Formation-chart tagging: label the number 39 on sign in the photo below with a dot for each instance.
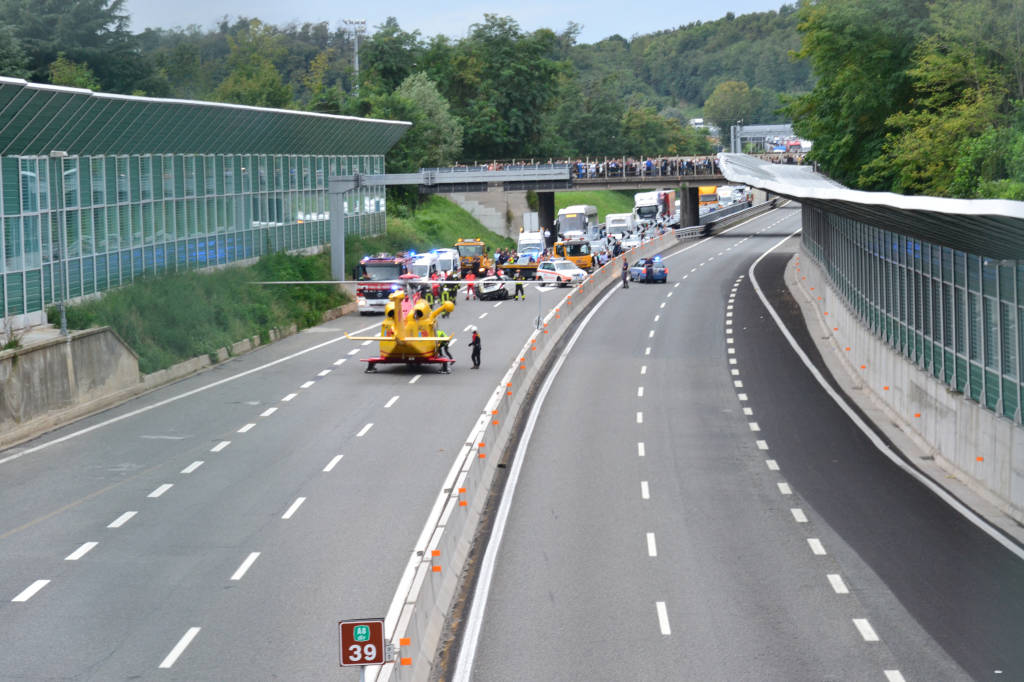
(362, 641)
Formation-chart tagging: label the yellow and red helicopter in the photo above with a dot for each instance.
(408, 333)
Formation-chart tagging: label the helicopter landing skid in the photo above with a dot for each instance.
(371, 363)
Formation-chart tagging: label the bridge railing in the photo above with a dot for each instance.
(615, 167)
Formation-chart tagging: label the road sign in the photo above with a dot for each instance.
(362, 641)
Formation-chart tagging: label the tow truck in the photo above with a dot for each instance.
(576, 250)
(377, 278)
(473, 257)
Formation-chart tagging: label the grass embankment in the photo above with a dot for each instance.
(607, 201)
(436, 223)
(174, 317)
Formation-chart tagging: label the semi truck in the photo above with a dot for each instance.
(653, 207)
(579, 221)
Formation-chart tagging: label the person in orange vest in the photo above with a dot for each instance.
(470, 278)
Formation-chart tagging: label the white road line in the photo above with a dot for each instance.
(640, 450)
(366, 343)
(497, 304)
(896, 676)
(269, 411)
(941, 492)
(192, 467)
(676, 285)
(650, 335)
(733, 361)
(339, 362)
(663, 618)
(728, 315)
(798, 515)
(761, 444)
(729, 340)
(220, 446)
(838, 586)
(684, 277)
(334, 461)
(748, 411)
(415, 379)
(394, 399)
(785, 489)
(240, 571)
(816, 546)
(122, 519)
(645, 491)
(734, 372)
(245, 429)
(482, 316)
(865, 629)
(693, 269)
(771, 464)
(362, 431)
(161, 490)
(662, 304)
(292, 509)
(31, 590)
(730, 351)
(668, 295)
(652, 545)
(639, 417)
(643, 370)
(468, 327)
(738, 384)
(728, 307)
(742, 397)
(353, 351)
(307, 384)
(754, 426)
(647, 351)
(701, 265)
(180, 647)
(80, 552)
(288, 397)
(657, 317)
(323, 372)
(639, 391)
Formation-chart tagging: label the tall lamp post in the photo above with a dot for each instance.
(59, 156)
(356, 28)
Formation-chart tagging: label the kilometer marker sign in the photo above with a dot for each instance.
(362, 641)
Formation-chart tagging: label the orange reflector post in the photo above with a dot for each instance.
(885, 388)
(917, 414)
(435, 552)
(980, 459)
(404, 641)
(406, 661)
(435, 569)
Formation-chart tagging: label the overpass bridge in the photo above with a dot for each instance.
(500, 185)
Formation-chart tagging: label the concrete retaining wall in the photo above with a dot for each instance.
(45, 384)
(493, 209)
(972, 443)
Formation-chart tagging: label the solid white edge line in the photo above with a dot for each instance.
(180, 647)
(663, 618)
(30, 591)
(180, 396)
(334, 461)
(292, 509)
(81, 551)
(122, 519)
(474, 621)
(244, 567)
(865, 629)
(941, 492)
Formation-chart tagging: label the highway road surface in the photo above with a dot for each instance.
(692, 506)
(218, 528)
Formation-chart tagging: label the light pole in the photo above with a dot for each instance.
(356, 28)
(59, 156)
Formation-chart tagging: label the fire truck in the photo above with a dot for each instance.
(377, 277)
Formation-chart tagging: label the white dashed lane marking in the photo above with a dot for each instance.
(639, 417)
(362, 431)
(816, 547)
(334, 461)
(645, 490)
(269, 411)
(161, 490)
(220, 446)
(81, 551)
(245, 429)
(292, 509)
(323, 373)
(192, 467)
(652, 545)
(663, 618)
(31, 590)
(838, 586)
(415, 379)
(339, 362)
(785, 489)
(798, 515)
(288, 397)
(391, 402)
(761, 444)
(640, 450)
(771, 464)
(353, 351)
(122, 519)
(180, 647)
(237, 575)
(639, 391)
(865, 629)
(366, 343)
(307, 384)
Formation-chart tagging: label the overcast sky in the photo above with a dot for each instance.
(600, 18)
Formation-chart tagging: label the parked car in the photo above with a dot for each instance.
(649, 270)
(493, 288)
(630, 242)
(561, 272)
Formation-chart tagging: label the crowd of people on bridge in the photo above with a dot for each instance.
(629, 167)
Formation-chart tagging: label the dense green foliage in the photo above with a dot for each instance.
(175, 317)
(498, 92)
(916, 96)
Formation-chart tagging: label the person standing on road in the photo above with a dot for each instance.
(625, 273)
(519, 286)
(470, 279)
(442, 346)
(474, 343)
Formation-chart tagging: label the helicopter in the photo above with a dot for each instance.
(408, 333)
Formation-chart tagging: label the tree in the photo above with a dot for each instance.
(13, 60)
(66, 72)
(645, 133)
(729, 104)
(254, 80)
(860, 51)
(390, 56)
(436, 135)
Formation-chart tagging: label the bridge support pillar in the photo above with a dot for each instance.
(689, 207)
(546, 213)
